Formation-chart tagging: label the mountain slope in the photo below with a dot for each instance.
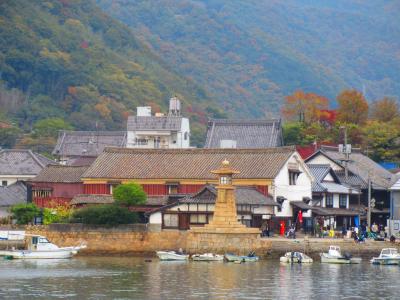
(251, 53)
(68, 59)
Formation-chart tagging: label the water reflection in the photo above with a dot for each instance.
(134, 278)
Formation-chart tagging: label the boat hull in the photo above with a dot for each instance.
(288, 259)
(167, 255)
(238, 258)
(385, 261)
(207, 257)
(339, 260)
(41, 254)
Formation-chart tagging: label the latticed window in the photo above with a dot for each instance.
(198, 218)
(342, 200)
(225, 180)
(329, 200)
(170, 220)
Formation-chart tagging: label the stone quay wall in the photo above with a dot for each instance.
(124, 240)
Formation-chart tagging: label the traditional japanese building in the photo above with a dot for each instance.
(360, 170)
(278, 173)
(242, 134)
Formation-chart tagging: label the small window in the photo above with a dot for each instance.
(141, 141)
(170, 220)
(4, 183)
(172, 189)
(185, 136)
(198, 219)
(225, 180)
(343, 201)
(329, 200)
(293, 177)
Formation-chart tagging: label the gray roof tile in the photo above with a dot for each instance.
(246, 133)
(154, 123)
(87, 143)
(13, 194)
(66, 174)
(123, 163)
(22, 162)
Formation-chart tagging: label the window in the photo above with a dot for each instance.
(293, 177)
(198, 219)
(185, 136)
(225, 180)
(329, 200)
(4, 183)
(172, 189)
(170, 220)
(141, 141)
(343, 201)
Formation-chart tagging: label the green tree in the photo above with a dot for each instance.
(49, 127)
(8, 137)
(292, 133)
(108, 214)
(24, 212)
(129, 194)
(380, 137)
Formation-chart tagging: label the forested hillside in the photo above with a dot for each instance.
(66, 64)
(250, 54)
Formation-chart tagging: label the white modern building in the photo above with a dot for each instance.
(158, 131)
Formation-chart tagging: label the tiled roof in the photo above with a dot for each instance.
(361, 164)
(13, 194)
(324, 211)
(396, 186)
(154, 123)
(244, 195)
(87, 143)
(22, 162)
(352, 179)
(92, 199)
(66, 174)
(247, 133)
(123, 163)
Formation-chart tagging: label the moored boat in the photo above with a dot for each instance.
(388, 256)
(171, 255)
(241, 258)
(295, 257)
(207, 257)
(334, 256)
(39, 247)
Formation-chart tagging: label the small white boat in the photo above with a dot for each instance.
(40, 248)
(207, 257)
(295, 257)
(171, 255)
(241, 258)
(334, 256)
(388, 256)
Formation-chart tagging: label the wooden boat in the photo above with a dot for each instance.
(207, 257)
(40, 248)
(237, 258)
(388, 256)
(334, 256)
(295, 257)
(171, 255)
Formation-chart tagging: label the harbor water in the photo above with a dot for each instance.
(139, 278)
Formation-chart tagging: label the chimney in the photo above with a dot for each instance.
(143, 111)
(174, 107)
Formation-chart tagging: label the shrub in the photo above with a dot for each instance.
(129, 194)
(24, 212)
(57, 213)
(108, 214)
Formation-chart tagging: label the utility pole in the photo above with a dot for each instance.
(369, 201)
(346, 150)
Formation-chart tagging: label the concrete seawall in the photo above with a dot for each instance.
(125, 241)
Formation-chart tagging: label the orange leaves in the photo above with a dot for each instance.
(304, 107)
(353, 107)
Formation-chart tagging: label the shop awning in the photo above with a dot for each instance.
(324, 211)
(301, 205)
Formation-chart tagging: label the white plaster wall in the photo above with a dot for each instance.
(264, 210)
(322, 160)
(155, 218)
(11, 179)
(396, 205)
(292, 192)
